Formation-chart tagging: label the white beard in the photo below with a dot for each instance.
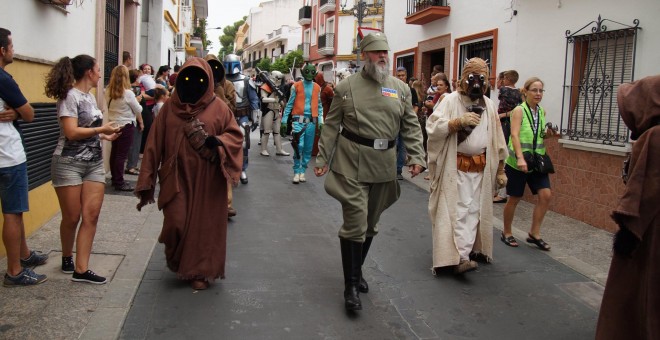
(375, 72)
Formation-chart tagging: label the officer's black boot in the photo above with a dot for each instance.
(351, 259)
(364, 287)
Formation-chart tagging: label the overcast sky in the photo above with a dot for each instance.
(223, 13)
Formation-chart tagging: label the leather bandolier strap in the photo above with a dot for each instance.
(471, 163)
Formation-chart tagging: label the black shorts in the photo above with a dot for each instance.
(517, 179)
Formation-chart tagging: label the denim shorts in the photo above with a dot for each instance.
(66, 171)
(14, 189)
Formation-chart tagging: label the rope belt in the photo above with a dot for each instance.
(378, 144)
(470, 163)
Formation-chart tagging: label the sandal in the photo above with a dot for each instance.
(132, 171)
(509, 241)
(498, 199)
(538, 242)
(199, 284)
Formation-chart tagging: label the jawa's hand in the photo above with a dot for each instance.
(197, 136)
(194, 130)
(144, 201)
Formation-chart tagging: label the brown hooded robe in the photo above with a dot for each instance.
(193, 196)
(631, 302)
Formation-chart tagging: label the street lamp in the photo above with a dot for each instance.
(361, 10)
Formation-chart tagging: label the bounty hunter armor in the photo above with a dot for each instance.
(247, 104)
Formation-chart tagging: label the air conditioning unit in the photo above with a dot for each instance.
(179, 41)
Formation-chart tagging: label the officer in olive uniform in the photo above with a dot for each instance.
(366, 115)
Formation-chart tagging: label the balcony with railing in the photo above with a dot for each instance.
(421, 12)
(326, 44)
(305, 15)
(277, 35)
(327, 6)
(304, 48)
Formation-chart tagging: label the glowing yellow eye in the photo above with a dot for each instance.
(201, 80)
(187, 78)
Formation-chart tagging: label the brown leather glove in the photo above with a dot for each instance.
(197, 137)
(501, 176)
(194, 130)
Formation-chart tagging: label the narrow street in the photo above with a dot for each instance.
(284, 278)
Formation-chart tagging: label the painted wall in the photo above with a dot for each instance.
(533, 41)
(47, 33)
(34, 33)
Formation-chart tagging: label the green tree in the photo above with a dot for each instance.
(200, 31)
(292, 56)
(228, 37)
(264, 64)
(280, 65)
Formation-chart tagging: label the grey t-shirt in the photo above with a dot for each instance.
(82, 106)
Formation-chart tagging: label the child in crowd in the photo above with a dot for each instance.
(509, 97)
(160, 96)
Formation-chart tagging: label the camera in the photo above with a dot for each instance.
(136, 90)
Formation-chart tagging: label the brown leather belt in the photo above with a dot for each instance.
(470, 163)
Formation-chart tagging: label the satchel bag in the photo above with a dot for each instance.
(537, 162)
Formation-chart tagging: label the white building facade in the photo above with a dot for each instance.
(581, 50)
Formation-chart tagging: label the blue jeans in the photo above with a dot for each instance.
(400, 155)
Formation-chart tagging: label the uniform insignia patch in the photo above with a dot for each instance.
(392, 93)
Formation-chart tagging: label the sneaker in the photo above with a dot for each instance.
(282, 153)
(27, 277)
(302, 178)
(124, 187)
(296, 178)
(67, 265)
(399, 177)
(88, 277)
(36, 258)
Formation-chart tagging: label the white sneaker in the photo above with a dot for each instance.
(296, 178)
(264, 153)
(283, 153)
(302, 178)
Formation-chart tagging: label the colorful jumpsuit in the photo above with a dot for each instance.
(304, 107)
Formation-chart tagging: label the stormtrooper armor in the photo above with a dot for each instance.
(271, 114)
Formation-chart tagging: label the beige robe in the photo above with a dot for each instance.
(442, 168)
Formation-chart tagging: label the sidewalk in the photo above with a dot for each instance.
(125, 241)
(61, 309)
(583, 248)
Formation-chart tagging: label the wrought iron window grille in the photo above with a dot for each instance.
(597, 61)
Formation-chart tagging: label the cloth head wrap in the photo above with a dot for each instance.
(474, 66)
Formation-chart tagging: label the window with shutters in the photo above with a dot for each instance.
(596, 64)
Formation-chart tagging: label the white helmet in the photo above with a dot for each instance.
(276, 77)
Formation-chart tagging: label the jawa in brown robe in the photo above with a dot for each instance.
(631, 303)
(225, 90)
(195, 147)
